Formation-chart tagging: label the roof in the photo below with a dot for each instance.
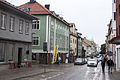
(85, 43)
(36, 8)
(4, 2)
(71, 24)
(115, 40)
(73, 34)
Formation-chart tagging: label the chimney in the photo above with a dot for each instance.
(47, 6)
(32, 1)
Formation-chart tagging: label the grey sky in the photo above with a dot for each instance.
(90, 16)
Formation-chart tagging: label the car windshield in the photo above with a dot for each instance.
(78, 59)
(91, 60)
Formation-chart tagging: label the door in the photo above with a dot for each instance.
(19, 57)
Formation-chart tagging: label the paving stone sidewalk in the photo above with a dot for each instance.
(36, 69)
(115, 75)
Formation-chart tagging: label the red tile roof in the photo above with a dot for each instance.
(85, 43)
(73, 34)
(36, 8)
(71, 24)
(14, 7)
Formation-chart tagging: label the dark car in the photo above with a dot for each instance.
(78, 61)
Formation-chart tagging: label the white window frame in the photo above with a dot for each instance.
(12, 23)
(51, 42)
(52, 24)
(3, 20)
(26, 28)
(38, 41)
(36, 25)
(21, 26)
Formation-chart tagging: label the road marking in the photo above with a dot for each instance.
(53, 76)
(43, 79)
(96, 75)
(86, 75)
(43, 75)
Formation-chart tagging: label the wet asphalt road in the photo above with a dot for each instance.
(77, 72)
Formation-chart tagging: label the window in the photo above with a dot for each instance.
(71, 40)
(119, 9)
(35, 41)
(36, 24)
(3, 21)
(75, 42)
(119, 29)
(12, 23)
(114, 1)
(51, 43)
(2, 55)
(114, 15)
(20, 26)
(52, 25)
(10, 50)
(27, 28)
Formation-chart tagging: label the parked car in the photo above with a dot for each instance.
(100, 59)
(92, 62)
(78, 61)
(86, 60)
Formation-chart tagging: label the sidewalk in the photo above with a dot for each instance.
(36, 69)
(115, 75)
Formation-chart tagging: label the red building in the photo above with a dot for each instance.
(116, 40)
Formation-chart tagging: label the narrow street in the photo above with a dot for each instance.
(77, 72)
(59, 72)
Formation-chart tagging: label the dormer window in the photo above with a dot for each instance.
(26, 9)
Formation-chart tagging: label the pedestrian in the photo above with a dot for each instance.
(105, 58)
(103, 65)
(59, 58)
(110, 65)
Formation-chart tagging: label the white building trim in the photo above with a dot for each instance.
(49, 34)
(55, 33)
(46, 28)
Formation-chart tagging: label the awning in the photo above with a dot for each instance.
(115, 40)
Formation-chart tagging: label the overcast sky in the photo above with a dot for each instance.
(90, 16)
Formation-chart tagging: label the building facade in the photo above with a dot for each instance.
(50, 28)
(79, 45)
(115, 40)
(73, 39)
(90, 47)
(15, 34)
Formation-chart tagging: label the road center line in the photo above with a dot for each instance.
(53, 76)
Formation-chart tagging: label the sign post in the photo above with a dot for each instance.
(45, 49)
(55, 54)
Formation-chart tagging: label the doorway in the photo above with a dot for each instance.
(19, 57)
